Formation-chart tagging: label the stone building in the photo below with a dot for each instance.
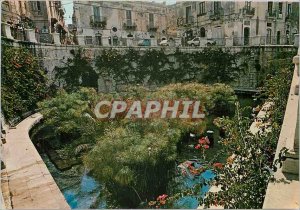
(110, 23)
(34, 19)
(238, 23)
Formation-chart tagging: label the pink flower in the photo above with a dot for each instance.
(202, 141)
(206, 146)
(198, 146)
(162, 199)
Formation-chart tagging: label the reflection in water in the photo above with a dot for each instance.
(80, 190)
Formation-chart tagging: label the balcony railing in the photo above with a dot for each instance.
(216, 14)
(98, 21)
(270, 14)
(185, 22)
(152, 27)
(248, 11)
(129, 25)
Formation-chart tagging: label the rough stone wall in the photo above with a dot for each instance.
(52, 56)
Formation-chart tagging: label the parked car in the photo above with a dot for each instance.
(194, 42)
(164, 42)
(144, 42)
(210, 42)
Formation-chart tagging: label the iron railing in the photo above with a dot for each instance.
(98, 21)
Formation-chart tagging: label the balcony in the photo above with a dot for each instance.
(270, 14)
(248, 11)
(98, 21)
(129, 25)
(216, 14)
(152, 27)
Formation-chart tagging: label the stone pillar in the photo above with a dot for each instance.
(56, 38)
(30, 35)
(6, 30)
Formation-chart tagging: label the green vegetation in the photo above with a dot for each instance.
(135, 159)
(244, 176)
(23, 82)
(77, 72)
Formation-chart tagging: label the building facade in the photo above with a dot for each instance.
(110, 23)
(44, 17)
(238, 23)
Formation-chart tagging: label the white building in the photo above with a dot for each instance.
(110, 23)
(238, 23)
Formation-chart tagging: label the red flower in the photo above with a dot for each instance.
(162, 197)
(218, 165)
(202, 141)
(198, 146)
(206, 146)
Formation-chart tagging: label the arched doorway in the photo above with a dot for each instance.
(202, 32)
(278, 37)
(246, 35)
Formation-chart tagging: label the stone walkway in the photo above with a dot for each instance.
(26, 182)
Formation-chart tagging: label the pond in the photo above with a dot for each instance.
(80, 190)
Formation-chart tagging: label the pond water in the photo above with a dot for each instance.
(80, 190)
(188, 181)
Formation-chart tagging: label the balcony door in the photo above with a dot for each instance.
(188, 14)
(97, 15)
(246, 35)
(128, 18)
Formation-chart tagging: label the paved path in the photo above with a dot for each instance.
(26, 182)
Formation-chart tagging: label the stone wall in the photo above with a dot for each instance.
(55, 56)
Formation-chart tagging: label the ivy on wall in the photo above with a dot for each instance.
(77, 72)
(156, 67)
(150, 67)
(23, 82)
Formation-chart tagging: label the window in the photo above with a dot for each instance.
(270, 7)
(202, 32)
(201, 8)
(269, 24)
(248, 5)
(88, 39)
(280, 8)
(151, 20)
(217, 6)
(188, 14)
(36, 5)
(97, 16)
(289, 9)
(128, 17)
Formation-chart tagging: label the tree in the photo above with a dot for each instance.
(23, 82)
